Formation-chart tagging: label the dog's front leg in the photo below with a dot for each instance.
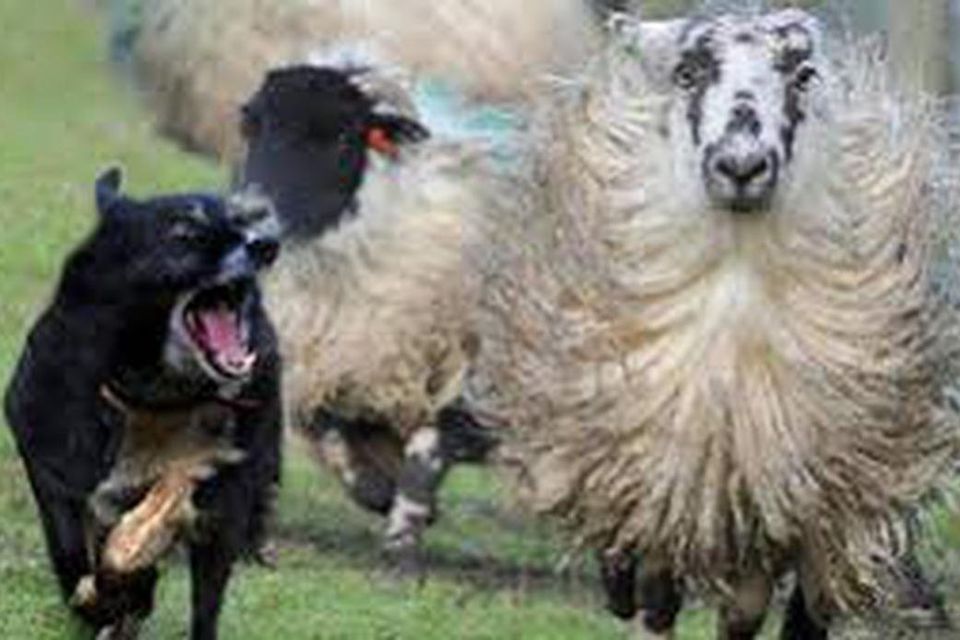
(65, 527)
(64, 522)
(211, 562)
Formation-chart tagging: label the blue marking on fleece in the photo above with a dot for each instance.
(125, 22)
(447, 113)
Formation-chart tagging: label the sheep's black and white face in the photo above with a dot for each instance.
(308, 131)
(740, 90)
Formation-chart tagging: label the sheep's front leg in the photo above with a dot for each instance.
(798, 623)
(618, 573)
(462, 438)
(660, 599)
(414, 506)
(741, 617)
(367, 458)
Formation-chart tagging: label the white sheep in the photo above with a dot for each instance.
(708, 316)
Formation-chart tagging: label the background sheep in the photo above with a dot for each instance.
(199, 59)
(369, 297)
(708, 314)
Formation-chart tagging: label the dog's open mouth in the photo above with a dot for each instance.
(215, 321)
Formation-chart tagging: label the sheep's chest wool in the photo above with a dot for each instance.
(728, 389)
(384, 336)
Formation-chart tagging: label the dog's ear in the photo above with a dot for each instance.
(387, 131)
(107, 189)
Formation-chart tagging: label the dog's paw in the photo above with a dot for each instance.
(85, 593)
(267, 555)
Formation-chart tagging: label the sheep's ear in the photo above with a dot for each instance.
(793, 18)
(655, 43)
(799, 30)
(612, 8)
(387, 131)
(107, 189)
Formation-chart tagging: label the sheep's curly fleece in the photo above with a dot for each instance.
(372, 315)
(730, 394)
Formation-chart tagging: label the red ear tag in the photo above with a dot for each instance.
(379, 141)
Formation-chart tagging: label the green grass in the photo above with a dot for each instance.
(493, 572)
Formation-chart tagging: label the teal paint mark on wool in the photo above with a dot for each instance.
(449, 114)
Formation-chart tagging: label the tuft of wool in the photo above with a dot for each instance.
(199, 60)
(492, 49)
(731, 394)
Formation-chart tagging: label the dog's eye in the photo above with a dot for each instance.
(183, 230)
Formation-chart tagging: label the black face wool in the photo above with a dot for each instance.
(308, 130)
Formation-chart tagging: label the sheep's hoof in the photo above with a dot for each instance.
(405, 564)
(127, 628)
(640, 631)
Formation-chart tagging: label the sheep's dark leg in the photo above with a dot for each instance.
(414, 507)
(660, 600)
(367, 458)
(618, 573)
(462, 438)
(920, 597)
(741, 618)
(798, 624)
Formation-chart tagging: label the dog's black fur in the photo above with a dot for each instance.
(110, 323)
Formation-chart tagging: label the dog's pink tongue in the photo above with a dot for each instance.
(221, 331)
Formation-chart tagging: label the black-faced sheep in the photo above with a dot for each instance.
(199, 59)
(369, 299)
(708, 316)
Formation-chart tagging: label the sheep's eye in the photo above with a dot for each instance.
(804, 77)
(687, 75)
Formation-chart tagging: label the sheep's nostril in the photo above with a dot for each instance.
(742, 171)
(758, 169)
(727, 167)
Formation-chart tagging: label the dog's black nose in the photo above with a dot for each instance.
(263, 251)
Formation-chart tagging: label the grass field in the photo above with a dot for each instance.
(493, 573)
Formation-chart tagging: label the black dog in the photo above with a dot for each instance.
(156, 314)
